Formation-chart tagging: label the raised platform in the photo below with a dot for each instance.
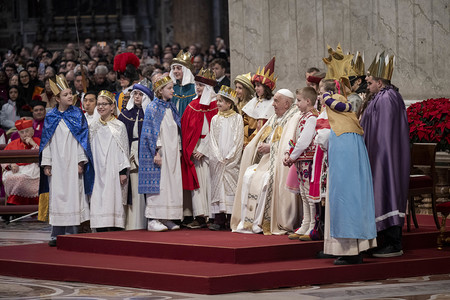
(206, 262)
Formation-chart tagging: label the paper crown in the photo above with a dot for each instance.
(266, 75)
(206, 76)
(58, 85)
(246, 81)
(339, 65)
(382, 66)
(314, 79)
(185, 59)
(23, 124)
(162, 82)
(229, 93)
(106, 94)
(122, 60)
(358, 64)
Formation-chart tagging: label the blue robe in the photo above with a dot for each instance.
(78, 126)
(182, 96)
(386, 134)
(149, 172)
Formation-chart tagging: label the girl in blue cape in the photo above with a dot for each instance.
(160, 160)
(66, 158)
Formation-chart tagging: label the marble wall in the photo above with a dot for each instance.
(297, 32)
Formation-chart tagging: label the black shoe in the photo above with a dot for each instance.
(349, 260)
(387, 251)
(216, 227)
(322, 255)
(52, 243)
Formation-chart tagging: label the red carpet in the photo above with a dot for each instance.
(206, 262)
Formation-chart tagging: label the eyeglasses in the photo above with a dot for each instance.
(103, 104)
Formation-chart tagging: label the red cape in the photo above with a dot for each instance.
(17, 144)
(191, 130)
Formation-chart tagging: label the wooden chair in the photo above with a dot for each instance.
(423, 155)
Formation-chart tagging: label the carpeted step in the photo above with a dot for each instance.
(43, 262)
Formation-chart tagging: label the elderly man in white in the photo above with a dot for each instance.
(262, 203)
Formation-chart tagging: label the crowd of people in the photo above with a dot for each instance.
(173, 142)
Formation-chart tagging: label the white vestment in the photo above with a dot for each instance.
(109, 145)
(262, 202)
(168, 204)
(226, 140)
(135, 213)
(68, 205)
(201, 196)
(257, 109)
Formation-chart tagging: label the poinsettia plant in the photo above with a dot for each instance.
(429, 122)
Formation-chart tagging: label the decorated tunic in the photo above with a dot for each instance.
(257, 112)
(227, 138)
(182, 96)
(110, 150)
(262, 203)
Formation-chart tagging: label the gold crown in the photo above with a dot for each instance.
(58, 85)
(339, 65)
(228, 93)
(246, 81)
(358, 64)
(206, 76)
(184, 58)
(162, 82)
(382, 66)
(106, 94)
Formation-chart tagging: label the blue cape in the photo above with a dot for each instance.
(149, 172)
(78, 126)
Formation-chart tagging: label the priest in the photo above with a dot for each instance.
(262, 204)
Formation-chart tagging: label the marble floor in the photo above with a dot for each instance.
(28, 231)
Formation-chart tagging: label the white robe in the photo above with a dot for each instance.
(135, 213)
(68, 204)
(109, 145)
(168, 204)
(226, 139)
(259, 179)
(201, 197)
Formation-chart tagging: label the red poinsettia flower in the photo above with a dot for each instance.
(429, 121)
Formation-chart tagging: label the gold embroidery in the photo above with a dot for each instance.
(181, 97)
(227, 113)
(104, 122)
(202, 110)
(265, 134)
(277, 134)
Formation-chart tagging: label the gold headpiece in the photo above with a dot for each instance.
(184, 58)
(106, 94)
(58, 85)
(246, 81)
(266, 75)
(358, 64)
(228, 93)
(339, 65)
(206, 76)
(382, 66)
(162, 82)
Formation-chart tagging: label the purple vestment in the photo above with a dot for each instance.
(386, 134)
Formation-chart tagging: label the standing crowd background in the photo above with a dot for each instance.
(163, 139)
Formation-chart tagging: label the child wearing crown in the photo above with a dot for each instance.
(66, 158)
(260, 109)
(159, 163)
(195, 125)
(184, 87)
(109, 142)
(226, 140)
